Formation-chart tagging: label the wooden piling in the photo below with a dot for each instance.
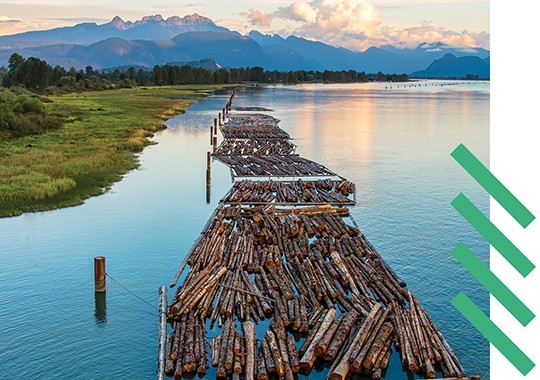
(100, 282)
(215, 127)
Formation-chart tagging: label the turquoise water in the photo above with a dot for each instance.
(394, 143)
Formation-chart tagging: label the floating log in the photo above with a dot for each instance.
(340, 336)
(308, 359)
(249, 335)
(341, 370)
(162, 333)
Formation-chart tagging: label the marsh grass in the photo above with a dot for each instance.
(97, 144)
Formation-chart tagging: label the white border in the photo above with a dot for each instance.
(514, 160)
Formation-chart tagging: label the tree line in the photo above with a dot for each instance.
(38, 76)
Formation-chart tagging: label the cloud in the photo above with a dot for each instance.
(299, 12)
(75, 19)
(13, 25)
(355, 24)
(258, 17)
(428, 32)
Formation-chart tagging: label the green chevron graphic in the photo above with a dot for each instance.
(492, 283)
(492, 333)
(492, 185)
(480, 271)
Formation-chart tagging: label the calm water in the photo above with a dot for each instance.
(394, 143)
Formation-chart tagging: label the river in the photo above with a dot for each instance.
(393, 141)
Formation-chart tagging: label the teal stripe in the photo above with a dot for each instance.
(492, 333)
(492, 283)
(492, 185)
(493, 235)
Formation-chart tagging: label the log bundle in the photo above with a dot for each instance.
(243, 147)
(318, 192)
(302, 272)
(253, 109)
(274, 166)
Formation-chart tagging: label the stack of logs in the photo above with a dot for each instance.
(242, 147)
(253, 109)
(275, 165)
(260, 132)
(294, 192)
(186, 347)
(305, 270)
(299, 268)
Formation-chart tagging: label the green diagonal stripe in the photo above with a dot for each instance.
(492, 333)
(492, 283)
(493, 235)
(492, 185)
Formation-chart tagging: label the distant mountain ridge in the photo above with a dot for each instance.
(155, 40)
(451, 66)
(148, 28)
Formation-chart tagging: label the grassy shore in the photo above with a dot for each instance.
(96, 145)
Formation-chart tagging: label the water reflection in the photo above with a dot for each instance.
(100, 311)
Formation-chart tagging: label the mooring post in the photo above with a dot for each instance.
(211, 134)
(208, 160)
(208, 189)
(100, 282)
(162, 333)
(219, 118)
(215, 143)
(215, 127)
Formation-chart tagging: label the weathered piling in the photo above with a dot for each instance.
(100, 272)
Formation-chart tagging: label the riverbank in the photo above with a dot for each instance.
(97, 144)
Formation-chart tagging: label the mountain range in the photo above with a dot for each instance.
(155, 40)
(452, 66)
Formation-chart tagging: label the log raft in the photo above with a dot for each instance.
(306, 270)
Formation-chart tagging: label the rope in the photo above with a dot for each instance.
(129, 291)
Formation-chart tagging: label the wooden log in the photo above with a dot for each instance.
(293, 355)
(169, 363)
(162, 333)
(237, 365)
(370, 337)
(249, 335)
(275, 352)
(378, 345)
(384, 357)
(271, 367)
(327, 338)
(203, 360)
(215, 349)
(229, 348)
(341, 370)
(309, 357)
(262, 372)
(340, 336)
(188, 360)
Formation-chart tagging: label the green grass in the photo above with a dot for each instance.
(96, 145)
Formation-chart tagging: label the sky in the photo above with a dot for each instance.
(354, 24)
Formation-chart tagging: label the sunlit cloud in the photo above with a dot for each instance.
(258, 18)
(356, 24)
(10, 25)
